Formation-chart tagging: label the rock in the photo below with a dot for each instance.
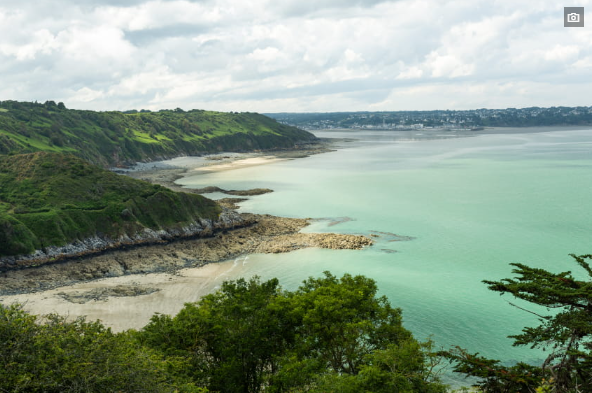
(210, 189)
(254, 191)
(244, 234)
(228, 219)
(101, 294)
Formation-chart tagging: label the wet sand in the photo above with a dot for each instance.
(236, 164)
(131, 312)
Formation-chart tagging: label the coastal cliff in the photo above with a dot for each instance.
(110, 139)
(55, 206)
(98, 244)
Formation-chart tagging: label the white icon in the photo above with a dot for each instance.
(573, 18)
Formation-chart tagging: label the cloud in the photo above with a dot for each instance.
(300, 8)
(264, 55)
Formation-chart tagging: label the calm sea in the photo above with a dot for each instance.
(464, 205)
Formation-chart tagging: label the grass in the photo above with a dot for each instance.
(143, 137)
(53, 199)
(48, 197)
(38, 144)
(115, 138)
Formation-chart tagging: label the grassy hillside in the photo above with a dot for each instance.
(115, 138)
(53, 199)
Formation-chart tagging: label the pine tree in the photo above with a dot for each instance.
(566, 333)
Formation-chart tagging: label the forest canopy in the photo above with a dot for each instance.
(331, 334)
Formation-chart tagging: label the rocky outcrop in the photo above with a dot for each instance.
(228, 219)
(251, 192)
(335, 241)
(266, 234)
(231, 203)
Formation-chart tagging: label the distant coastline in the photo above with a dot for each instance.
(440, 119)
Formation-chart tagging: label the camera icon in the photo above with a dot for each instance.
(573, 18)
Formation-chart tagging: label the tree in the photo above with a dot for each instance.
(233, 336)
(253, 336)
(343, 321)
(78, 356)
(351, 340)
(406, 367)
(566, 333)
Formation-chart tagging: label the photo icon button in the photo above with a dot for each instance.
(573, 17)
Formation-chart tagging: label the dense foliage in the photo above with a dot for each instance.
(59, 356)
(114, 138)
(566, 334)
(253, 336)
(53, 199)
(330, 335)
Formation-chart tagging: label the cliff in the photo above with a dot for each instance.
(53, 206)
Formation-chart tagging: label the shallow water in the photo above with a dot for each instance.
(473, 202)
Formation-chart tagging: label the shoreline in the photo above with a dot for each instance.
(125, 287)
(267, 234)
(158, 172)
(62, 271)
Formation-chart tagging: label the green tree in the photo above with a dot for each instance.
(343, 321)
(233, 337)
(78, 356)
(252, 336)
(566, 334)
(353, 340)
(406, 367)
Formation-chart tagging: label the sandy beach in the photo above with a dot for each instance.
(166, 172)
(128, 312)
(236, 164)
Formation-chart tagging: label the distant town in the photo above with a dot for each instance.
(446, 119)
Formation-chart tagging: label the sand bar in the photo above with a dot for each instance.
(237, 164)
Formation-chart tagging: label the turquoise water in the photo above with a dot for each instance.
(473, 204)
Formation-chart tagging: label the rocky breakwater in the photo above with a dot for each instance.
(258, 234)
(228, 219)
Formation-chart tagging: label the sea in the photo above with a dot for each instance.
(450, 209)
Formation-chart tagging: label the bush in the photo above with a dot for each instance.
(78, 356)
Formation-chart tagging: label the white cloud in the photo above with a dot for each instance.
(447, 66)
(101, 43)
(41, 41)
(158, 14)
(85, 94)
(562, 53)
(264, 55)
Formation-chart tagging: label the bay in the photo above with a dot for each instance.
(470, 203)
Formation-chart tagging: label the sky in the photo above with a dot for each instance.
(294, 55)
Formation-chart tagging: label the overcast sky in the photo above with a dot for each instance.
(294, 55)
